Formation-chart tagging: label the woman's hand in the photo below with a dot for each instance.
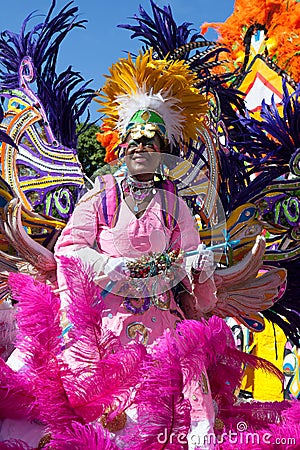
(116, 269)
(203, 264)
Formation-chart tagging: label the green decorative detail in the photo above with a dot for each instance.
(146, 123)
(144, 116)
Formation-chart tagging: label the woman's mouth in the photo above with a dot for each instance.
(140, 158)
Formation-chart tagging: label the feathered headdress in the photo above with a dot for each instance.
(150, 95)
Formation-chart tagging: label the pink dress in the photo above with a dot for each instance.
(88, 237)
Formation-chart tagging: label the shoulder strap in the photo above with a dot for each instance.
(169, 203)
(110, 199)
(112, 196)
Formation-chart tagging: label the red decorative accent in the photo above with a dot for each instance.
(109, 139)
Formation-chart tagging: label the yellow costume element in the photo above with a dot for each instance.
(262, 82)
(264, 386)
(281, 20)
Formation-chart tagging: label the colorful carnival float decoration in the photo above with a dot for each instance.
(263, 48)
(41, 175)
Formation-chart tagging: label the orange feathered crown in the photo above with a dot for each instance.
(149, 95)
(281, 19)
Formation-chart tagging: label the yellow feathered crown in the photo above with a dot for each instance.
(151, 95)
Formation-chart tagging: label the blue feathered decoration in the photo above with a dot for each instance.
(260, 148)
(56, 92)
(161, 33)
(173, 41)
(286, 312)
(273, 140)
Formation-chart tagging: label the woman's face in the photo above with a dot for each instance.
(142, 156)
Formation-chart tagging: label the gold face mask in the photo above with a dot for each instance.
(146, 123)
(148, 130)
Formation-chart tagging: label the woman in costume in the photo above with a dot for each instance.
(136, 239)
(133, 231)
(131, 268)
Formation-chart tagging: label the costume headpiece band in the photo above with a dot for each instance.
(146, 123)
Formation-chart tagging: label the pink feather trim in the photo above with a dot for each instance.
(40, 340)
(109, 386)
(82, 437)
(162, 409)
(104, 371)
(90, 343)
(14, 444)
(16, 394)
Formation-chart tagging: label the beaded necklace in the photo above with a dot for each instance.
(138, 190)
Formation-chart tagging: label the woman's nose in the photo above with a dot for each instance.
(140, 146)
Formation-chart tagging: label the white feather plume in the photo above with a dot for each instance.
(161, 103)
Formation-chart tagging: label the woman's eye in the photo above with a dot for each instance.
(149, 145)
(146, 145)
(132, 145)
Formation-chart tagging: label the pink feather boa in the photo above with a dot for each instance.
(69, 399)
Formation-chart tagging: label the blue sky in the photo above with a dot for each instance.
(93, 50)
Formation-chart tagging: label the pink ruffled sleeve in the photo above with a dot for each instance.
(205, 295)
(200, 297)
(201, 301)
(79, 237)
(185, 234)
